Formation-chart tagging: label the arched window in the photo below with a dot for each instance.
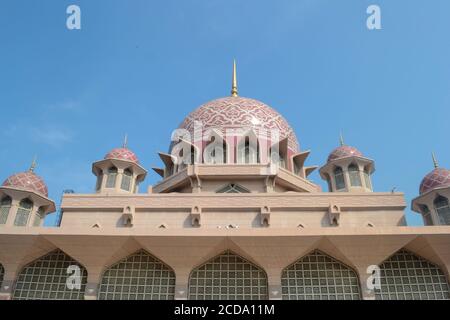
(5, 207)
(317, 276)
(111, 179)
(443, 209)
(215, 153)
(426, 214)
(140, 276)
(248, 153)
(355, 178)
(367, 181)
(279, 159)
(39, 217)
(23, 213)
(47, 278)
(405, 276)
(339, 178)
(2, 273)
(228, 277)
(127, 178)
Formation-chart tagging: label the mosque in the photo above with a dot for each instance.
(234, 216)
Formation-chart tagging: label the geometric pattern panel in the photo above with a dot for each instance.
(122, 154)
(317, 276)
(49, 278)
(437, 178)
(140, 276)
(405, 276)
(238, 112)
(344, 152)
(228, 277)
(27, 181)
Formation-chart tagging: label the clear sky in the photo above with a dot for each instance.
(139, 67)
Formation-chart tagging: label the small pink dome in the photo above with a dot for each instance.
(437, 178)
(122, 154)
(28, 181)
(344, 152)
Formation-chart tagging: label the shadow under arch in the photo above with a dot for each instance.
(319, 276)
(2, 274)
(407, 276)
(53, 276)
(138, 276)
(228, 276)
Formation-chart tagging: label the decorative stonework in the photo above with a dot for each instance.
(437, 178)
(239, 112)
(344, 152)
(27, 181)
(122, 154)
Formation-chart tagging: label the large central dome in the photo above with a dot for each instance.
(239, 112)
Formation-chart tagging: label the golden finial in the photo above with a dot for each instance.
(125, 141)
(234, 89)
(341, 139)
(435, 163)
(33, 164)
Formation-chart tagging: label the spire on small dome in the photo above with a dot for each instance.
(435, 162)
(125, 141)
(234, 89)
(33, 164)
(341, 139)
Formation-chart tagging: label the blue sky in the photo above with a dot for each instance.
(139, 67)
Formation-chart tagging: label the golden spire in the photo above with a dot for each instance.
(125, 141)
(341, 139)
(435, 163)
(33, 164)
(234, 89)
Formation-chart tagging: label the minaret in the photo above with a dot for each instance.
(347, 169)
(434, 194)
(119, 171)
(234, 89)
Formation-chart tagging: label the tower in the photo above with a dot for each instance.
(348, 170)
(24, 200)
(119, 171)
(434, 194)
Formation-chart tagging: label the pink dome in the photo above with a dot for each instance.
(28, 181)
(437, 178)
(344, 152)
(239, 112)
(122, 154)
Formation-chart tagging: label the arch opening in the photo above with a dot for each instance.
(228, 277)
(54, 276)
(406, 276)
(318, 276)
(140, 276)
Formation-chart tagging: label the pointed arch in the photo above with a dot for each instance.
(228, 276)
(339, 178)
(407, 276)
(5, 208)
(140, 276)
(317, 276)
(2, 274)
(47, 278)
(354, 176)
(111, 177)
(442, 208)
(248, 149)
